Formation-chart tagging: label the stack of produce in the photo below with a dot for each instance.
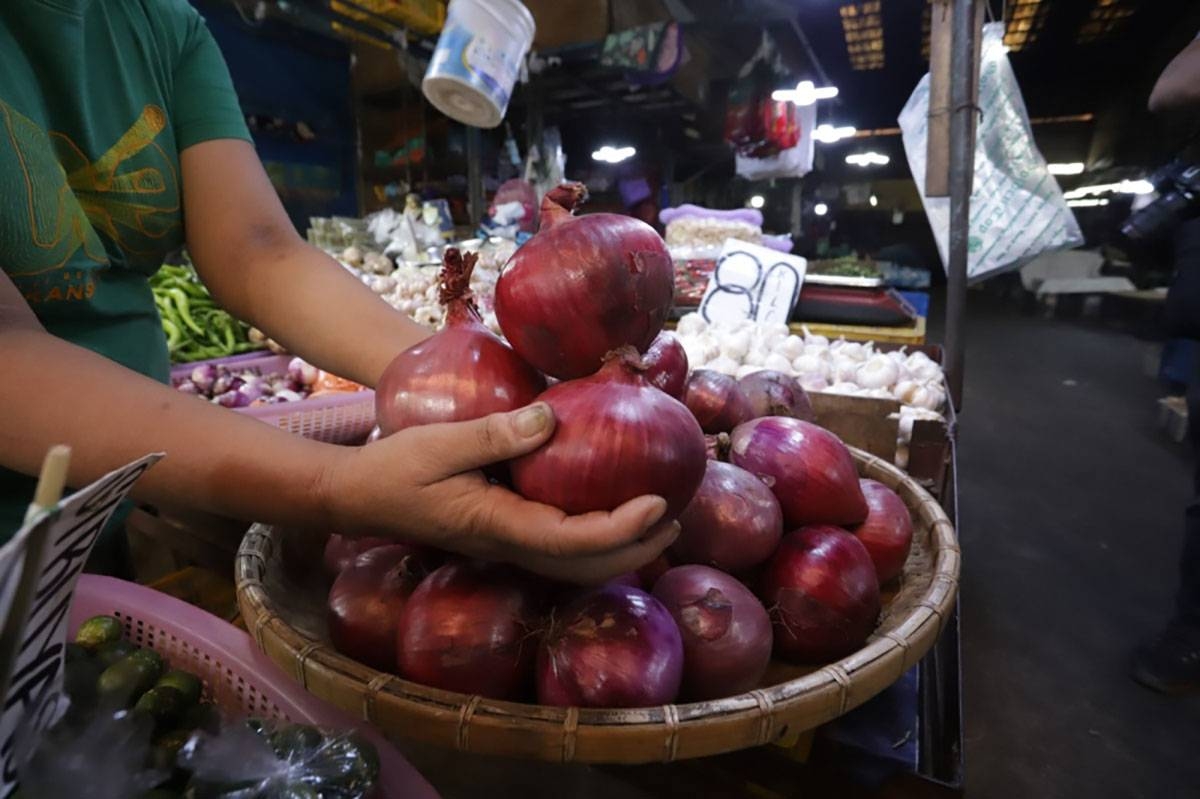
(249, 387)
(197, 329)
(135, 727)
(782, 549)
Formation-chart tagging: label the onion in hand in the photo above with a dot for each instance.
(887, 532)
(462, 372)
(808, 468)
(583, 286)
(725, 629)
(616, 438)
(822, 594)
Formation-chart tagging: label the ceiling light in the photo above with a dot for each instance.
(613, 155)
(805, 93)
(1124, 187)
(828, 134)
(874, 201)
(757, 201)
(1088, 202)
(867, 159)
(820, 209)
(1072, 168)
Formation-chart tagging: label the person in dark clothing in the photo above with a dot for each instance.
(1170, 663)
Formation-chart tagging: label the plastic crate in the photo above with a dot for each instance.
(237, 677)
(342, 418)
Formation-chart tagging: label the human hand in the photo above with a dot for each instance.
(423, 484)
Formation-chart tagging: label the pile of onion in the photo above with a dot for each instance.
(341, 551)
(583, 286)
(772, 393)
(616, 438)
(717, 402)
(472, 627)
(462, 372)
(732, 523)
(887, 531)
(616, 646)
(366, 601)
(667, 365)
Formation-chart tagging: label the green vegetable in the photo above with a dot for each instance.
(110, 652)
(79, 680)
(162, 703)
(196, 328)
(73, 652)
(127, 679)
(187, 684)
(296, 741)
(201, 716)
(98, 630)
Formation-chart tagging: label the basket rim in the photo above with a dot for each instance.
(302, 655)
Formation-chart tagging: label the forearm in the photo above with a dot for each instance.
(54, 393)
(304, 300)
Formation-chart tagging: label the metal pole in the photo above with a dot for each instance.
(963, 91)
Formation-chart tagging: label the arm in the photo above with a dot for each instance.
(419, 484)
(249, 255)
(1178, 87)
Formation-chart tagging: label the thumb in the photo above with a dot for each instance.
(458, 447)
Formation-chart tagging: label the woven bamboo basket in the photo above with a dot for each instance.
(286, 616)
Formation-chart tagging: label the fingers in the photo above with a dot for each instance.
(546, 530)
(450, 449)
(596, 569)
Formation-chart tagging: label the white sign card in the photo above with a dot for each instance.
(69, 532)
(753, 282)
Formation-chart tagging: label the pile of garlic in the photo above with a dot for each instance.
(837, 367)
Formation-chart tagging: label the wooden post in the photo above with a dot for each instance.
(937, 150)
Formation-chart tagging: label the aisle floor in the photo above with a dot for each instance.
(1072, 506)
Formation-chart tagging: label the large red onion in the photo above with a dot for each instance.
(887, 533)
(716, 401)
(822, 594)
(341, 551)
(464, 371)
(667, 365)
(471, 627)
(773, 393)
(733, 522)
(616, 646)
(808, 468)
(648, 575)
(617, 437)
(366, 601)
(725, 629)
(583, 286)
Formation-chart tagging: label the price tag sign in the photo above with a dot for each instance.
(753, 282)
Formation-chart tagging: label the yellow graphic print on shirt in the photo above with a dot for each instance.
(129, 196)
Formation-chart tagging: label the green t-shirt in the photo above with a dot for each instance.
(97, 100)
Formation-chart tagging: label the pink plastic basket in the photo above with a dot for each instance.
(237, 677)
(343, 418)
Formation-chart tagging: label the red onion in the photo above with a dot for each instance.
(630, 579)
(716, 447)
(822, 594)
(667, 365)
(725, 629)
(774, 393)
(583, 286)
(617, 437)
(809, 469)
(470, 627)
(887, 533)
(716, 401)
(461, 372)
(366, 601)
(733, 522)
(340, 551)
(648, 575)
(613, 647)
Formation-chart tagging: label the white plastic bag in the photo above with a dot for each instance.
(1017, 208)
(794, 162)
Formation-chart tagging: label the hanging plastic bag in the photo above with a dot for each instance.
(793, 162)
(1017, 208)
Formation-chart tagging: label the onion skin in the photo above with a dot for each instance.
(725, 630)
(462, 372)
(887, 532)
(617, 438)
(616, 646)
(809, 469)
(716, 447)
(341, 551)
(716, 401)
(366, 601)
(822, 594)
(649, 574)
(470, 627)
(583, 286)
(733, 522)
(774, 393)
(667, 365)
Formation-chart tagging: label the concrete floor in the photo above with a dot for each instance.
(1071, 514)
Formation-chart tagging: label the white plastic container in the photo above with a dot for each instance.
(477, 59)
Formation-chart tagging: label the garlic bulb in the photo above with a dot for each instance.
(929, 397)
(811, 366)
(691, 324)
(724, 365)
(791, 347)
(778, 363)
(850, 349)
(695, 353)
(814, 338)
(757, 356)
(843, 387)
(736, 346)
(813, 382)
(878, 371)
(748, 369)
(902, 457)
(922, 367)
(773, 332)
(903, 390)
(845, 370)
